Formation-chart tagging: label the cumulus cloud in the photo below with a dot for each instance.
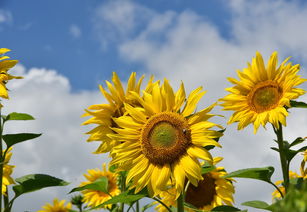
(62, 150)
(75, 31)
(118, 20)
(185, 46)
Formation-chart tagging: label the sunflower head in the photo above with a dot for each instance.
(103, 114)
(7, 171)
(211, 191)
(163, 139)
(5, 65)
(94, 198)
(262, 92)
(58, 206)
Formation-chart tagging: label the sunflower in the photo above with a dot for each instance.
(261, 94)
(7, 171)
(103, 113)
(94, 198)
(58, 206)
(160, 141)
(276, 194)
(211, 192)
(5, 65)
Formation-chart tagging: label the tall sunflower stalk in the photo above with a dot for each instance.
(264, 94)
(5, 65)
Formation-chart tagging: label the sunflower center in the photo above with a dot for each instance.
(165, 138)
(203, 194)
(163, 135)
(264, 96)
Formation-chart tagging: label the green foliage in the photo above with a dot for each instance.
(295, 200)
(101, 184)
(263, 174)
(18, 116)
(127, 197)
(257, 204)
(206, 169)
(297, 141)
(209, 147)
(298, 104)
(12, 139)
(33, 182)
(225, 208)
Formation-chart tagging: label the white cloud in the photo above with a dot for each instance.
(179, 46)
(62, 150)
(118, 20)
(75, 31)
(185, 46)
(5, 17)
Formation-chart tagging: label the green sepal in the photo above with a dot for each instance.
(298, 104)
(33, 182)
(12, 139)
(101, 184)
(209, 147)
(257, 204)
(225, 208)
(149, 205)
(263, 174)
(297, 141)
(188, 205)
(290, 154)
(127, 197)
(206, 169)
(18, 117)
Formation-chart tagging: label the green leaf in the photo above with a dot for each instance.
(298, 104)
(188, 205)
(263, 174)
(257, 204)
(101, 184)
(225, 208)
(290, 154)
(18, 116)
(209, 147)
(126, 197)
(33, 182)
(297, 141)
(149, 205)
(207, 169)
(11, 139)
(275, 149)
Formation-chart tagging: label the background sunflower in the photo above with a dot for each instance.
(262, 92)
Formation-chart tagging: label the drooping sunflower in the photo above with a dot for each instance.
(103, 113)
(162, 139)
(58, 206)
(261, 94)
(94, 198)
(212, 191)
(7, 171)
(5, 65)
(276, 194)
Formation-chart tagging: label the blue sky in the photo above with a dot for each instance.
(39, 33)
(67, 47)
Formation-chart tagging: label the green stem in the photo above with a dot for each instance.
(1, 160)
(137, 206)
(281, 194)
(162, 203)
(282, 156)
(6, 198)
(180, 207)
(123, 189)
